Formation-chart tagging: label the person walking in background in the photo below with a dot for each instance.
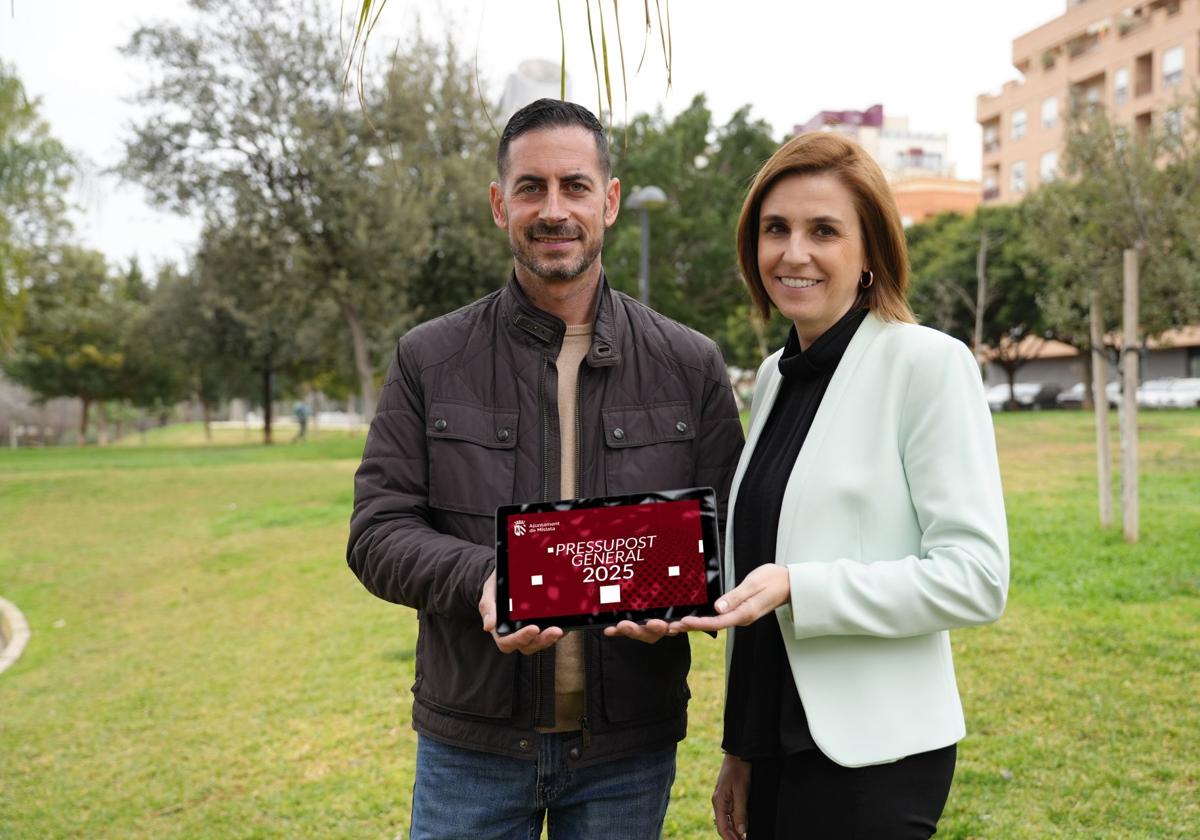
(866, 521)
(300, 411)
(553, 387)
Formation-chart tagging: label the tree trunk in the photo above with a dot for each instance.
(1089, 378)
(980, 300)
(1011, 373)
(362, 363)
(1129, 430)
(1099, 377)
(102, 425)
(267, 376)
(207, 409)
(83, 421)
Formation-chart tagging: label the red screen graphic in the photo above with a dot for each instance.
(580, 562)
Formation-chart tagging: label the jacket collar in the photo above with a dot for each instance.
(543, 329)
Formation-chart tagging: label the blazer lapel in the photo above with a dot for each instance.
(764, 397)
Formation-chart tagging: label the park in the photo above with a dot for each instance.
(203, 664)
(184, 652)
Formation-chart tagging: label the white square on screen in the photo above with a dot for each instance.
(535, 580)
(672, 571)
(610, 594)
(701, 548)
(550, 549)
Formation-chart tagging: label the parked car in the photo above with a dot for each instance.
(1073, 396)
(1047, 396)
(1153, 393)
(1169, 393)
(1023, 392)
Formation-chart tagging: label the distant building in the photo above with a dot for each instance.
(534, 79)
(916, 163)
(1136, 58)
(919, 198)
(1175, 353)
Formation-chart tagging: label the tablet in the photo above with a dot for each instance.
(589, 563)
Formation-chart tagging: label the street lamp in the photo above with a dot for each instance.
(645, 199)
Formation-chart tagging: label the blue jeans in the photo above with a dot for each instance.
(463, 794)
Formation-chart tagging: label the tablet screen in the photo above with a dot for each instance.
(593, 562)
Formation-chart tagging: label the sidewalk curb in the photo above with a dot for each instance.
(14, 633)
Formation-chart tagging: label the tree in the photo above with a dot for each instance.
(1124, 189)
(949, 253)
(251, 111)
(247, 273)
(199, 339)
(705, 170)
(71, 342)
(35, 172)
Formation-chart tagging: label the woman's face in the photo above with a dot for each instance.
(810, 251)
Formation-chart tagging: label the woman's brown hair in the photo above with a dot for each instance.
(884, 244)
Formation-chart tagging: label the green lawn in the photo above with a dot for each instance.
(203, 665)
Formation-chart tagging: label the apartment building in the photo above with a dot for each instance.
(916, 163)
(1139, 60)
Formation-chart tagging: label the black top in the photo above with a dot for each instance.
(763, 714)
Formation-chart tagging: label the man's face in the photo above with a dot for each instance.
(555, 203)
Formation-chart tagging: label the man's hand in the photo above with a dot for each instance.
(763, 591)
(528, 640)
(650, 632)
(730, 797)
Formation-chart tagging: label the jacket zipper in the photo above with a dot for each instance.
(584, 724)
(540, 657)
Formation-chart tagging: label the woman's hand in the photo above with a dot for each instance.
(730, 797)
(763, 591)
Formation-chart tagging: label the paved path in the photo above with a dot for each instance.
(14, 633)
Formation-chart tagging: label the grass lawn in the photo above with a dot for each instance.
(203, 664)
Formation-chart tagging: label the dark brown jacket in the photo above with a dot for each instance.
(467, 421)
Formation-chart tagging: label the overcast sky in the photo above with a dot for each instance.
(788, 59)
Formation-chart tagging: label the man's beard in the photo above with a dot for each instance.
(523, 252)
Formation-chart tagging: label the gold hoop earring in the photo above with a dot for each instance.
(867, 280)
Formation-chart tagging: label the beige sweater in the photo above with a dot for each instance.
(568, 652)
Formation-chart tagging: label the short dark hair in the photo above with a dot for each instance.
(552, 113)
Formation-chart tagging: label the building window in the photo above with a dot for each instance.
(1049, 113)
(1143, 81)
(1018, 124)
(991, 137)
(1017, 177)
(1193, 361)
(1121, 86)
(991, 183)
(1172, 66)
(1049, 168)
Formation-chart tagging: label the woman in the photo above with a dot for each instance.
(866, 520)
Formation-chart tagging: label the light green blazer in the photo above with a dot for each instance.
(893, 532)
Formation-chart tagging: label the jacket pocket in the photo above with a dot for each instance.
(460, 670)
(642, 682)
(649, 447)
(472, 457)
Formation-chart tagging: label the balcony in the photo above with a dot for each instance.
(991, 193)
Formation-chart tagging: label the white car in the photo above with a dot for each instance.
(1023, 392)
(1170, 393)
(1153, 393)
(1073, 396)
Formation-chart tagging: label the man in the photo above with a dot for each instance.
(553, 387)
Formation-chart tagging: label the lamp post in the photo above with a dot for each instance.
(645, 199)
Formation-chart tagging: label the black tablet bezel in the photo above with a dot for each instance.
(709, 529)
